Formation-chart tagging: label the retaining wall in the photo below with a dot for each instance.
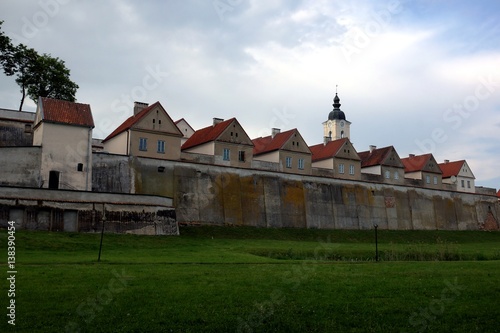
(221, 195)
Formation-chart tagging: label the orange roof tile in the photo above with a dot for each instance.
(268, 143)
(375, 157)
(132, 120)
(451, 168)
(415, 163)
(207, 134)
(323, 151)
(64, 112)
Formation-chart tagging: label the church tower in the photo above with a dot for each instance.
(336, 127)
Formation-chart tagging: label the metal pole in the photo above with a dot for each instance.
(376, 243)
(102, 233)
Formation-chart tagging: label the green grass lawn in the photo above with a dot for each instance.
(230, 279)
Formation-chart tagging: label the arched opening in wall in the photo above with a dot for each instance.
(342, 134)
(54, 179)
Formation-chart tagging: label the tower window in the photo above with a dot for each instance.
(342, 134)
(79, 167)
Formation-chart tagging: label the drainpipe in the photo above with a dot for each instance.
(89, 156)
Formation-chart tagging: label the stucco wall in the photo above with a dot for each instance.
(223, 195)
(20, 166)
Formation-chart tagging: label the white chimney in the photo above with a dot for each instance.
(326, 139)
(217, 121)
(372, 148)
(139, 106)
(411, 155)
(446, 161)
(275, 131)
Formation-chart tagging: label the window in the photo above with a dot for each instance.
(463, 183)
(225, 155)
(387, 174)
(301, 164)
(161, 146)
(288, 162)
(79, 167)
(241, 156)
(143, 144)
(435, 180)
(341, 168)
(427, 179)
(396, 175)
(468, 184)
(341, 134)
(27, 128)
(351, 169)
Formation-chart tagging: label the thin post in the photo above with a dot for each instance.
(376, 242)
(102, 232)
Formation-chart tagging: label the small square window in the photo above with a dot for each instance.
(27, 128)
(161, 146)
(225, 154)
(341, 168)
(301, 163)
(143, 144)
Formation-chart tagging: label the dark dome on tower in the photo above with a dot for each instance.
(336, 113)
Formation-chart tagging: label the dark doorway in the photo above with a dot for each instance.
(54, 179)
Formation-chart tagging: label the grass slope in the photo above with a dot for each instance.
(218, 279)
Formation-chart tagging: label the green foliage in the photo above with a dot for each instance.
(37, 75)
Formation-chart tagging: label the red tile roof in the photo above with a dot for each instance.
(322, 151)
(451, 168)
(415, 163)
(498, 193)
(64, 112)
(132, 120)
(207, 134)
(375, 157)
(268, 144)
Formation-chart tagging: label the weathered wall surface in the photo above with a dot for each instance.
(20, 166)
(54, 210)
(223, 195)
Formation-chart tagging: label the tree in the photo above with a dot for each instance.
(37, 75)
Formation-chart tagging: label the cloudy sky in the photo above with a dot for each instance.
(423, 75)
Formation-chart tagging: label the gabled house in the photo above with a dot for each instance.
(150, 132)
(423, 168)
(225, 140)
(339, 156)
(186, 129)
(64, 131)
(287, 150)
(459, 175)
(383, 162)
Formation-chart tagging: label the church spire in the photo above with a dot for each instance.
(336, 102)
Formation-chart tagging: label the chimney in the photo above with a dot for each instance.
(275, 131)
(217, 121)
(446, 161)
(326, 139)
(372, 148)
(139, 106)
(411, 155)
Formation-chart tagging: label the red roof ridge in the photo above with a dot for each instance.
(65, 112)
(323, 151)
(269, 143)
(207, 134)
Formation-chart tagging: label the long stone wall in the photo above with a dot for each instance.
(20, 166)
(79, 211)
(220, 195)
